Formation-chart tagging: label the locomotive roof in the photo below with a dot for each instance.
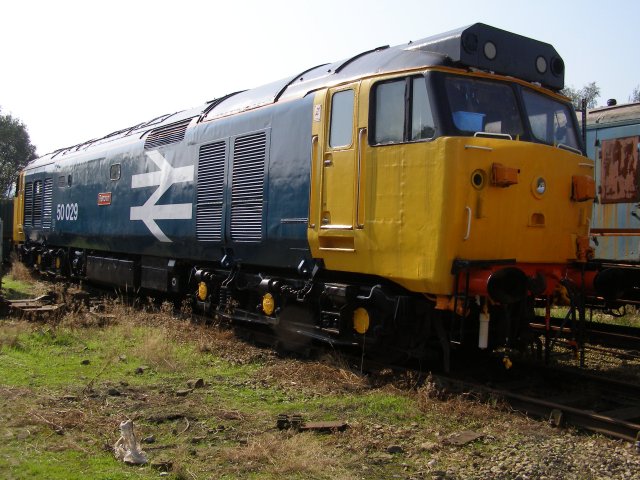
(477, 46)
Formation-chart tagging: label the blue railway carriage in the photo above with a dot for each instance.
(613, 135)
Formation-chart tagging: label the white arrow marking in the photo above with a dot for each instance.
(164, 179)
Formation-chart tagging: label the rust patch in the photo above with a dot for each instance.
(620, 170)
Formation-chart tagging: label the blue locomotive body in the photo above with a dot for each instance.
(235, 186)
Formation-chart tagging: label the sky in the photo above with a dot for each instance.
(76, 70)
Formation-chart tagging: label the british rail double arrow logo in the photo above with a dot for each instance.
(164, 179)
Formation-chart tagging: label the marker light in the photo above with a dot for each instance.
(490, 50)
(541, 64)
(541, 186)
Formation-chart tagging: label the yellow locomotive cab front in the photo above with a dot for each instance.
(484, 171)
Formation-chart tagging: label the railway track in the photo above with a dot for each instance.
(596, 334)
(562, 396)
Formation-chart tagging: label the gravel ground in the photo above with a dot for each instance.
(538, 451)
(564, 456)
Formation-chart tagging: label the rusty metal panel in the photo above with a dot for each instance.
(615, 231)
(620, 170)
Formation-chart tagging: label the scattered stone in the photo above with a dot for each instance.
(197, 383)
(395, 449)
(141, 369)
(168, 417)
(114, 392)
(122, 358)
(162, 465)
(183, 393)
(149, 439)
(462, 438)
(85, 362)
(198, 439)
(429, 446)
(70, 398)
(229, 415)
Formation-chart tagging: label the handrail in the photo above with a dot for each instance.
(493, 135)
(362, 133)
(312, 200)
(571, 149)
(479, 147)
(468, 234)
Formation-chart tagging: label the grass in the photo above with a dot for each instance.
(19, 283)
(66, 386)
(14, 289)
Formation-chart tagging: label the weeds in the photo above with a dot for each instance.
(11, 334)
(282, 454)
(64, 389)
(19, 270)
(156, 350)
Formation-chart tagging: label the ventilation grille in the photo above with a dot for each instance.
(28, 204)
(165, 135)
(210, 192)
(37, 203)
(247, 189)
(46, 204)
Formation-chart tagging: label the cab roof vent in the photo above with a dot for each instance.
(167, 134)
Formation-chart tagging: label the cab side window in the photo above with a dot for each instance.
(341, 130)
(422, 124)
(390, 112)
(401, 112)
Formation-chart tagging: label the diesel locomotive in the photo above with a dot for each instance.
(427, 192)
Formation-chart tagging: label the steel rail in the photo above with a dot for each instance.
(558, 414)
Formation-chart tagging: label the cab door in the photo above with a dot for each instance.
(339, 160)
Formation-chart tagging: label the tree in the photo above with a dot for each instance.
(635, 95)
(16, 151)
(590, 91)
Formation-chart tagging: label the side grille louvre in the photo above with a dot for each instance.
(46, 205)
(28, 204)
(210, 192)
(165, 135)
(247, 189)
(37, 203)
